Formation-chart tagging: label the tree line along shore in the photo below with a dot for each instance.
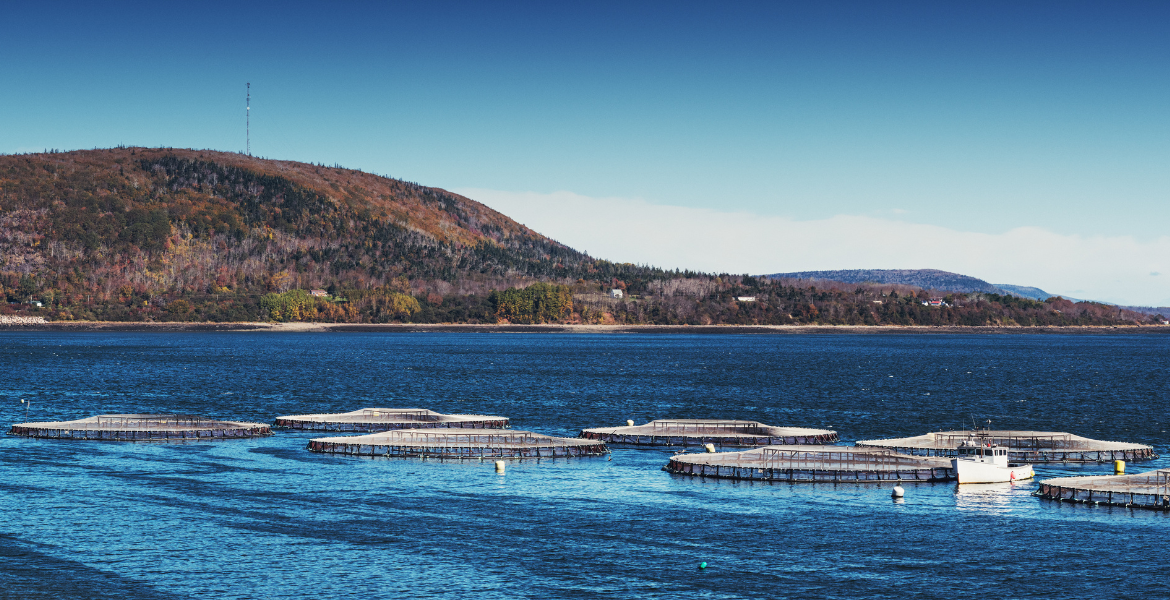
(714, 301)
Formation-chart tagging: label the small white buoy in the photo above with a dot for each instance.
(898, 492)
(629, 422)
(500, 466)
(709, 447)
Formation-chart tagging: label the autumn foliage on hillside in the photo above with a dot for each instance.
(161, 234)
(138, 234)
(745, 300)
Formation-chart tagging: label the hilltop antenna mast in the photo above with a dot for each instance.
(248, 119)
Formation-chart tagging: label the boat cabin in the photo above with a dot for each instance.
(990, 454)
(982, 451)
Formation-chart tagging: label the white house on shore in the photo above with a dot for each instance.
(746, 298)
(616, 293)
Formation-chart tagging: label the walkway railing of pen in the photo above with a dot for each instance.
(724, 433)
(386, 421)
(665, 427)
(444, 445)
(145, 428)
(1150, 490)
(820, 465)
(1060, 447)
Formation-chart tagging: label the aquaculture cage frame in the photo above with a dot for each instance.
(459, 445)
(1023, 446)
(1149, 490)
(720, 432)
(705, 425)
(142, 428)
(370, 420)
(813, 464)
(406, 414)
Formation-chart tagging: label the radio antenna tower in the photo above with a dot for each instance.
(248, 119)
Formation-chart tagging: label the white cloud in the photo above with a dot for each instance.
(1114, 269)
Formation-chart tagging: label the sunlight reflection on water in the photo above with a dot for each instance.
(266, 518)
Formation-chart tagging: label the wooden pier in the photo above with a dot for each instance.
(698, 432)
(459, 445)
(389, 419)
(142, 428)
(1141, 490)
(1023, 446)
(813, 464)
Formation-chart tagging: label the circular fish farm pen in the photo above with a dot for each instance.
(698, 432)
(389, 419)
(813, 464)
(459, 445)
(142, 428)
(1141, 490)
(1026, 446)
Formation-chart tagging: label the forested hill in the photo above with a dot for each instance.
(356, 226)
(151, 225)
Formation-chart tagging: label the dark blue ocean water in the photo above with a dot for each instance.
(268, 519)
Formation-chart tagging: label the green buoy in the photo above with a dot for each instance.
(703, 565)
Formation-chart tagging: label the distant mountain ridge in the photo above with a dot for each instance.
(934, 279)
(1024, 291)
(927, 279)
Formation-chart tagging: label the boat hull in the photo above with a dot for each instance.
(982, 472)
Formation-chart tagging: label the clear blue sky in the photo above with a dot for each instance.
(977, 117)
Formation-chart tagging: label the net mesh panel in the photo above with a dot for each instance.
(140, 423)
(142, 427)
(388, 415)
(1043, 446)
(828, 458)
(452, 444)
(400, 414)
(844, 458)
(1142, 490)
(692, 426)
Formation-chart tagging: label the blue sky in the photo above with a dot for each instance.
(982, 119)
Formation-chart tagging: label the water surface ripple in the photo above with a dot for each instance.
(267, 519)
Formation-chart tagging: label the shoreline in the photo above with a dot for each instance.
(120, 326)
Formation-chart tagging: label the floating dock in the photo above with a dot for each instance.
(813, 464)
(1023, 446)
(389, 419)
(1141, 490)
(142, 428)
(698, 432)
(459, 445)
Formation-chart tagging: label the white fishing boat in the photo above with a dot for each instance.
(982, 462)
